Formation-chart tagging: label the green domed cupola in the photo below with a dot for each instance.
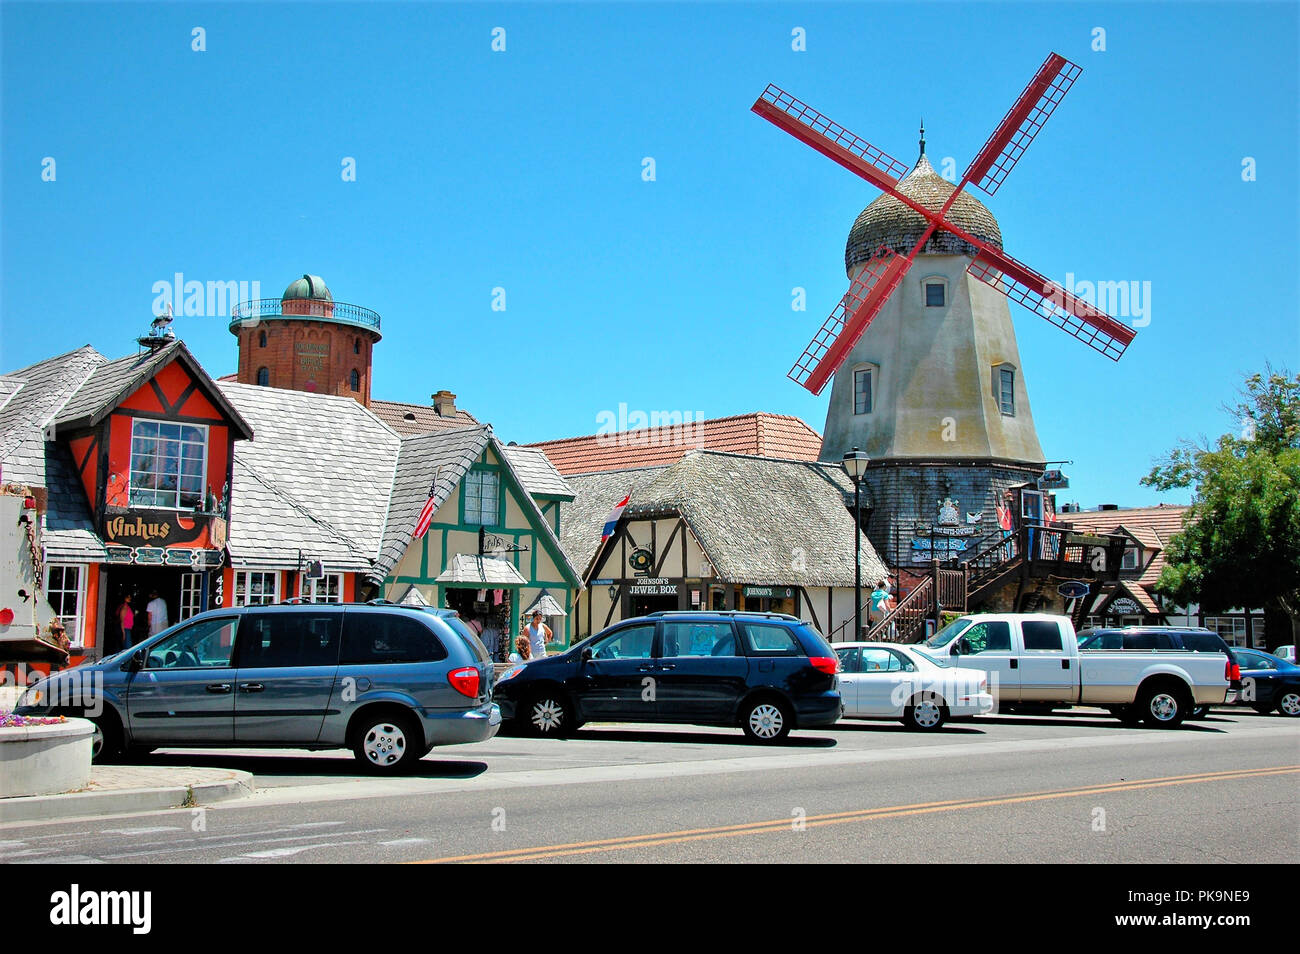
(309, 286)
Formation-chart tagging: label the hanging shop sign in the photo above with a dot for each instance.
(640, 560)
(1073, 589)
(1053, 480)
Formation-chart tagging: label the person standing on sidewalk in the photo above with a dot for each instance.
(539, 634)
(126, 620)
(157, 610)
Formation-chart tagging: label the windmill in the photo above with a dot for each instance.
(874, 285)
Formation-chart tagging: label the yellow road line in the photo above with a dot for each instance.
(840, 818)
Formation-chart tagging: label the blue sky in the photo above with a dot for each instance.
(523, 170)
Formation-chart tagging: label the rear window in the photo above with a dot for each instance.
(1043, 635)
(1204, 643)
(468, 636)
(388, 638)
(765, 639)
(1148, 640)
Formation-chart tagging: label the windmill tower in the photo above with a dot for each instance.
(927, 374)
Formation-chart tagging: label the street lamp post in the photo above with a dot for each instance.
(855, 465)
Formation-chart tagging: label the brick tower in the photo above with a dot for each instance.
(306, 341)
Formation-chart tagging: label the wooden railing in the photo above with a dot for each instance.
(906, 622)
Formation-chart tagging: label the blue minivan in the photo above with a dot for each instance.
(387, 681)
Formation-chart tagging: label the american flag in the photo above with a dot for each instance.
(426, 514)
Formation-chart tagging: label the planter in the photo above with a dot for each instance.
(45, 759)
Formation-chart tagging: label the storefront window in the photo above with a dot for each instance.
(328, 589)
(1231, 628)
(167, 464)
(256, 587)
(65, 589)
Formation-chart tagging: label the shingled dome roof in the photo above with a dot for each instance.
(889, 222)
(309, 286)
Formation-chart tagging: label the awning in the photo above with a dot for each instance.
(481, 571)
(547, 605)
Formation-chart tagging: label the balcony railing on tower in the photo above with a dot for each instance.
(251, 312)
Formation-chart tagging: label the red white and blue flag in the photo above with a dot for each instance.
(612, 520)
(426, 514)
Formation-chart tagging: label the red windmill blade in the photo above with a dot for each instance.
(1049, 300)
(1021, 124)
(847, 323)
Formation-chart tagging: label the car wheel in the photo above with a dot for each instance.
(388, 742)
(766, 720)
(1288, 703)
(107, 745)
(1162, 707)
(548, 716)
(925, 712)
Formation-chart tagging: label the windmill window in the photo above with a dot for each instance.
(1004, 389)
(355, 380)
(356, 345)
(263, 377)
(261, 339)
(934, 297)
(863, 394)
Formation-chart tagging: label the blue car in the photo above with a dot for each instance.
(766, 673)
(388, 682)
(1268, 683)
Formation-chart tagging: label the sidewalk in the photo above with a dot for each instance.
(118, 789)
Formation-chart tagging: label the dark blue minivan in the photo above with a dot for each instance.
(767, 673)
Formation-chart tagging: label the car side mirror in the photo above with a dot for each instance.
(586, 654)
(962, 647)
(136, 662)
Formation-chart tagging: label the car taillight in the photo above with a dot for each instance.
(465, 681)
(827, 664)
(1231, 671)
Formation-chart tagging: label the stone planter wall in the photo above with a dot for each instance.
(45, 759)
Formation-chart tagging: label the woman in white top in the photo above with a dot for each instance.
(539, 634)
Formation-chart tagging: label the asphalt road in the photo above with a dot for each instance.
(1067, 788)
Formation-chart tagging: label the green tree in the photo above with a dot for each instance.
(1240, 543)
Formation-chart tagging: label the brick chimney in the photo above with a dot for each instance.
(444, 404)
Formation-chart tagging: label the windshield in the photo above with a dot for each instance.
(942, 661)
(948, 633)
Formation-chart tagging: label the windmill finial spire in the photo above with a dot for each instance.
(923, 135)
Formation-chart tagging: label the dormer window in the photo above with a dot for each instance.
(1131, 559)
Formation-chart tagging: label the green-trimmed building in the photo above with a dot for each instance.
(492, 545)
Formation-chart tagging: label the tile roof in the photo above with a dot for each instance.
(409, 419)
(317, 478)
(1153, 527)
(536, 472)
(759, 433)
(441, 456)
(758, 519)
(113, 381)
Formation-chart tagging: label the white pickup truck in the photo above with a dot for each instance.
(1034, 659)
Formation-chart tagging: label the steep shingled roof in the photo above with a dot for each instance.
(317, 478)
(594, 497)
(759, 519)
(768, 435)
(537, 473)
(43, 390)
